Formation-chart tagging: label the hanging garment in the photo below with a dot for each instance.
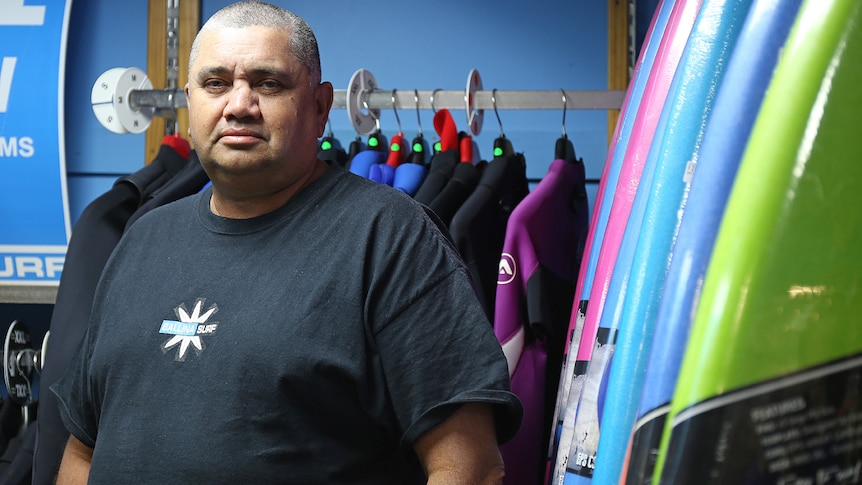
(330, 150)
(97, 231)
(410, 174)
(355, 147)
(11, 439)
(189, 180)
(409, 177)
(465, 178)
(444, 161)
(418, 149)
(364, 160)
(442, 166)
(374, 153)
(545, 239)
(384, 173)
(479, 225)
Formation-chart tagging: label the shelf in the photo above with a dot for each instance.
(44, 294)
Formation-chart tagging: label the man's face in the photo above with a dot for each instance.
(254, 118)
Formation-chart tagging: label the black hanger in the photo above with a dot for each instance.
(437, 145)
(419, 146)
(329, 148)
(564, 149)
(502, 145)
(376, 140)
(356, 146)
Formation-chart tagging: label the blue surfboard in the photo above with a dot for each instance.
(736, 105)
(690, 106)
(672, 44)
(638, 270)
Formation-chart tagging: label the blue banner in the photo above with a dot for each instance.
(34, 211)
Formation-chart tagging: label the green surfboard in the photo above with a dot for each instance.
(770, 390)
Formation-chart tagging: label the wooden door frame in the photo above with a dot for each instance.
(619, 61)
(157, 55)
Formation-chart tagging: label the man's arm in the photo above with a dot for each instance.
(463, 449)
(75, 467)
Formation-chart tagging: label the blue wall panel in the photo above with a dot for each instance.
(426, 45)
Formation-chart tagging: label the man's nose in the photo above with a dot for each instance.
(242, 102)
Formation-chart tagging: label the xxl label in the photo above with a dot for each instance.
(34, 215)
(800, 429)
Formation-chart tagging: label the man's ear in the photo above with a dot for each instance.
(188, 103)
(323, 99)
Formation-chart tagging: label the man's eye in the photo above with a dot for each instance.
(214, 84)
(269, 86)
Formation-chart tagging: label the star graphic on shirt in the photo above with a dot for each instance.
(188, 330)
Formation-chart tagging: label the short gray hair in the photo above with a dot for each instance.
(303, 44)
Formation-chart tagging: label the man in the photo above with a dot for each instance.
(295, 323)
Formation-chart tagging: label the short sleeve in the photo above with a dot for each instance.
(77, 408)
(440, 352)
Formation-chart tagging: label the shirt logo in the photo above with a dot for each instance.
(507, 269)
(188, 330)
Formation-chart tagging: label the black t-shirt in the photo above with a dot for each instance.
(313, 344)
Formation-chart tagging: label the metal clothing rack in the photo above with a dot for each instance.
(166, 101)
(124, 103)
(487, 99)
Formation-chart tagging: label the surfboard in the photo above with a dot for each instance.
(667, 58)
(635, 304)
(650, 228)
(598, 221)
(769, 387)
(736, 105)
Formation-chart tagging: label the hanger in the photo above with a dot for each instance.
(329, 142)
(419, 146)
(329, 148)
(356, 146)
(396, 144)
(502, 145)
(564, 149)
(409, 176)
(367, 162)
(376, 140)
(437, 145)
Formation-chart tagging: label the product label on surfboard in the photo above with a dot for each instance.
(688, 176)
(645, 446)
(585, 440)
(567, 429)
(571, 368)
(805, 428)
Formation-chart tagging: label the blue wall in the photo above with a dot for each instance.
(428, 45)
(103, 34)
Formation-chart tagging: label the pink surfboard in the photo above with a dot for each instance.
(667, 59)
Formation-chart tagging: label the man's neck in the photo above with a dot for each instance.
(233, 207)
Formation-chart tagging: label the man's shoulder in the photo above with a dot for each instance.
(360, 191)
(166, 213)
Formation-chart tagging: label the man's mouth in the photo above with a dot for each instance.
(236, 136)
